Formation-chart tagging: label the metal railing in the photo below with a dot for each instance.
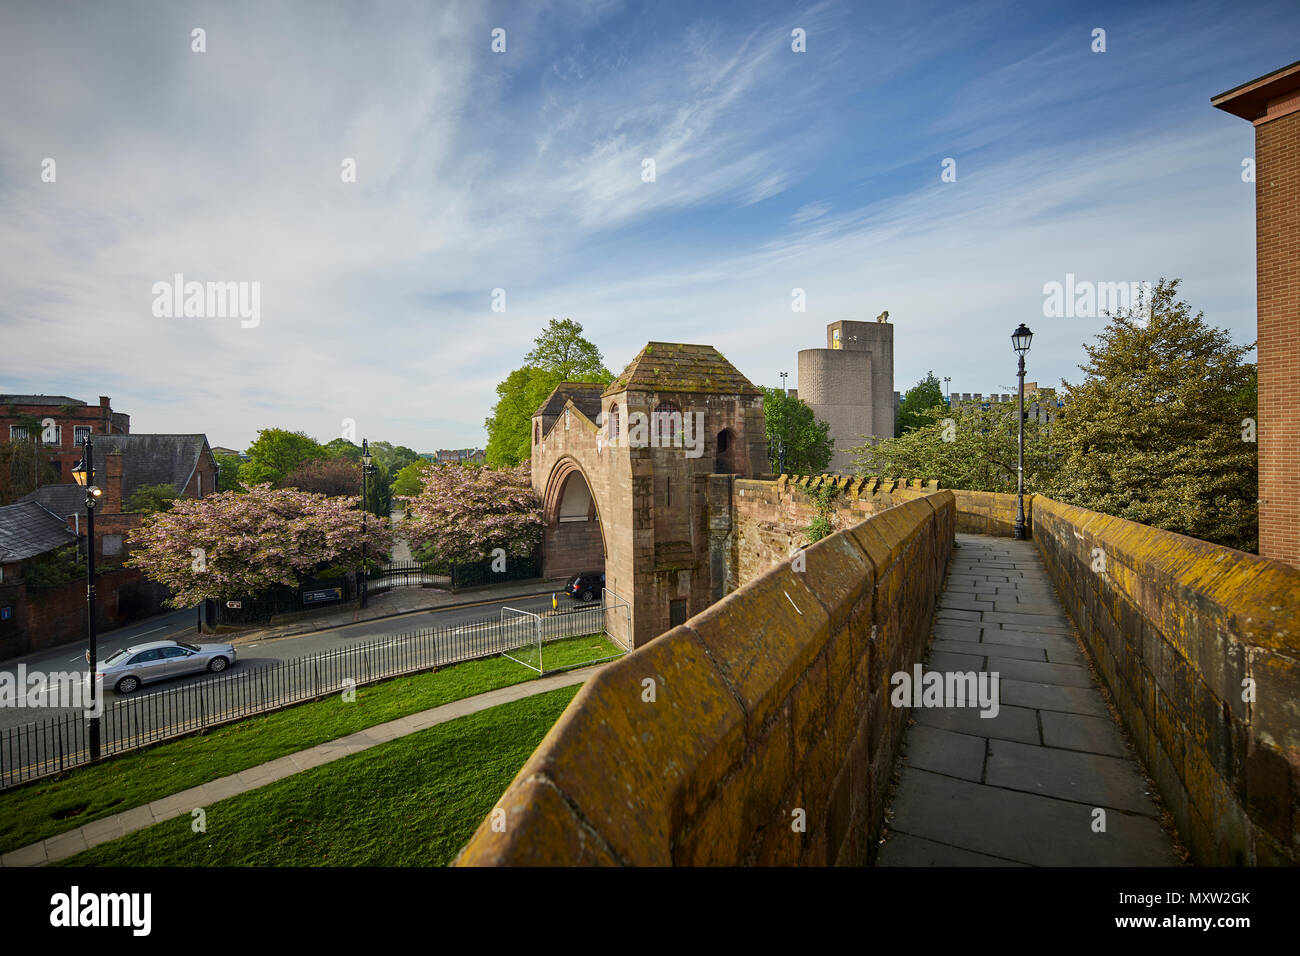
(158, 712)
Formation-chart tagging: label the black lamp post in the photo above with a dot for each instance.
(84, 474)
(1020, 340)
(366, 459)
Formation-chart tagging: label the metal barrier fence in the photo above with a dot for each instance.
(158, 712)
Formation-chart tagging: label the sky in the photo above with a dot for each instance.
(518, 179)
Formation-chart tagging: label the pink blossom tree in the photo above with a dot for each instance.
(462, 514)
(229, 544)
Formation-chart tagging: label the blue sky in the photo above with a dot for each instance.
(522, 171)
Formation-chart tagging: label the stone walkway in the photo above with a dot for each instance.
(1021, 788)
(182, 804)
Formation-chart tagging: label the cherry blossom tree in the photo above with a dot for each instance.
(245, 544)
(462, 514)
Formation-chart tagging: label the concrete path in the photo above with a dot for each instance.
(1024, 787)
(182, 804)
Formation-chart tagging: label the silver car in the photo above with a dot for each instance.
(126, 670)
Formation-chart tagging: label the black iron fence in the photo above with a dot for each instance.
(245, 611)
(158, 712)
(484, 572)
(404, 574)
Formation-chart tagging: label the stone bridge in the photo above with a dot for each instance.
(1148, 706)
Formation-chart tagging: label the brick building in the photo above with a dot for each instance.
(65, 422)
(1272, 104)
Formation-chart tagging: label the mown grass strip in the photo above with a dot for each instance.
(46, 807)
(413, 801)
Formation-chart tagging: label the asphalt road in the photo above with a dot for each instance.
(384, 637)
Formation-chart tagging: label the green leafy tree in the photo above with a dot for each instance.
(561, 348)
(408, 482)
(560, 354)
(151, 498)
(342, 448)
(230, 468)
(1154, 432)
(924, 395)
(275, 453)
(969, 447)
(392, 458)
(808, 445)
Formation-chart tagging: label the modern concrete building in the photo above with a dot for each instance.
(850, 385)
(1272, 104)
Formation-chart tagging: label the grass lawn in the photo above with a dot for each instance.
(44, 808)
(413, 801)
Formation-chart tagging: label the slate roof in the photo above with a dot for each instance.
(674, 367)
(150, 459)
(39, 400)
(27, 529)
(585, 395)
(59, 500)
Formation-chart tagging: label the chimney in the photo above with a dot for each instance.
(111, 484)
(103, 401)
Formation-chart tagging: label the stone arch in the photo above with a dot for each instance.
(571, 544)
(725, 452)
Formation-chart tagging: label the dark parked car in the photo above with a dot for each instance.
(586, 586)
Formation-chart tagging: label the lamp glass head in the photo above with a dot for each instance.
(1021, 338)
(79, 472)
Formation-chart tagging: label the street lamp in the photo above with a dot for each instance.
(84, 474)
(784, 376)
(366, 459)
(1020, 340)
(946, 397)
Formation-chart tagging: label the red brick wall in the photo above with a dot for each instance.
(58, 615)
(1277, 244)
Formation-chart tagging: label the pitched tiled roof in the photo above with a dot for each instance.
(674, 367)
(38, 400)
(27, 529)
(585, 395)
(150, 459)
(59, 500)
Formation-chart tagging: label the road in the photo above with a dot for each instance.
(328, 645)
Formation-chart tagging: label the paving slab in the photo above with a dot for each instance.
(1024, 827)
(1011, 723)
(1097, 735)
(1068, 675)
(1069, 775)
(942, 751)
(1053, 697)
(985, 649)
(903, 849)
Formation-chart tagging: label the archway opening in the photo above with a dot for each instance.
(572, 540)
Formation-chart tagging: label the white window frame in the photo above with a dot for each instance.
(77, 439)
(17, 433)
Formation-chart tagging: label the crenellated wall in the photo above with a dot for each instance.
(770, 518)
(759, 732)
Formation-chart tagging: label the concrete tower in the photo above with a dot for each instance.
(850, 384)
